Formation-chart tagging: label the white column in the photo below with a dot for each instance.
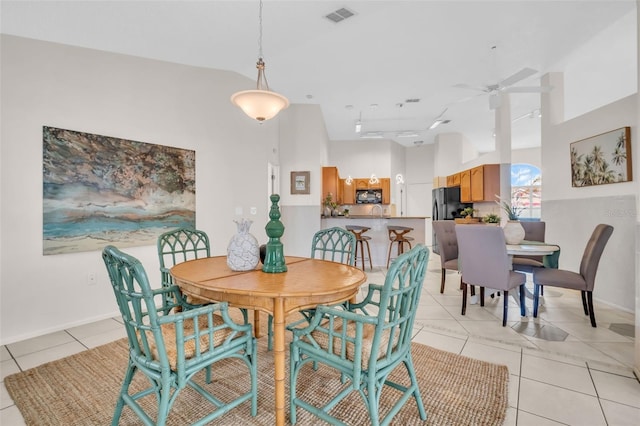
(503, 148)
(636, 361)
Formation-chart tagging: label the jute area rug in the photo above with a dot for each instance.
(82, 390)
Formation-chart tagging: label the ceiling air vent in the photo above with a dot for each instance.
(340, 15)
(412, 100)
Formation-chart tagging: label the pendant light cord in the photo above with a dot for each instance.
(260, 31)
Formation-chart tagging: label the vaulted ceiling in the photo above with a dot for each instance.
(372, 66)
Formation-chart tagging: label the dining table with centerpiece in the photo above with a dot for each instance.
(306, 283)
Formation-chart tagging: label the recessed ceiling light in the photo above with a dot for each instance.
(373, 106)
(348, 106)
(372, 135)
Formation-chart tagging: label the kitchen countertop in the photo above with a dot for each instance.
(368, 216)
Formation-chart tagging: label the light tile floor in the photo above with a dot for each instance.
(585, 379)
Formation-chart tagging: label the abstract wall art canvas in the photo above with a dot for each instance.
(100, 190)
(602, 159)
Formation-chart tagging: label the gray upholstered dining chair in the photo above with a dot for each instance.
(533, 231)
(583, 280)
(446, 235)
(483, 261)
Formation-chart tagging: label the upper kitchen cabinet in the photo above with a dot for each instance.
(348, 192)
(454, 180)
(362, 183)
(480, 183)
(465, 186)
(331, 183)
(385, 184)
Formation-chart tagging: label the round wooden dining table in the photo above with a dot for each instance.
(307, 283)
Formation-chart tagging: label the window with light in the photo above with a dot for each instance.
(526, 190)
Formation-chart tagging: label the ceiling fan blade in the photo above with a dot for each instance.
(520, 75)
(529, 89)
(442, 113)
(466, 86)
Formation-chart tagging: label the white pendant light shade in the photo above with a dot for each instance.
(260, 105)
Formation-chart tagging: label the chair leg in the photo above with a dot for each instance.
(592, 315)
(536, 299)
(505, 303)
(523, 308)
(584, 302)
(442, 279)
(464, 297)
(481, 296)
(369, 253)
(541, 290)
(473, 290)
(389, 253)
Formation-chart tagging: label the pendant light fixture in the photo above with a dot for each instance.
(260, 104)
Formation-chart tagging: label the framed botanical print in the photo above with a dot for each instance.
(300, 182)
(602, 159)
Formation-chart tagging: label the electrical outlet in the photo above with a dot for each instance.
(91, 279)
(254, 211)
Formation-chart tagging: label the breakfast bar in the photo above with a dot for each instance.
(378, 233)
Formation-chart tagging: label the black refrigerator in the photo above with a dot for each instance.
(446, 206)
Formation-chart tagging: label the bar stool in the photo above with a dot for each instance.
(397, 236)
(361, 241)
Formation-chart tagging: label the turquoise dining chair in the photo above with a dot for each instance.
(170, 349)
(365, 342)
(177, 246)
(335, 244)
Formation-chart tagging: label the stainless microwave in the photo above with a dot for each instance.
(368, 196)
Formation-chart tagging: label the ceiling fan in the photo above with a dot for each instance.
(438, 120)
(505, 85)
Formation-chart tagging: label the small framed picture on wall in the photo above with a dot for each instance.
(300, 182)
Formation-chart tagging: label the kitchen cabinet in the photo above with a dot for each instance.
(465, 186)
(453, 180)
(485, 182)
(362, 183)
(385, 184)
(480, 183)
(348, 192)
(331, 184)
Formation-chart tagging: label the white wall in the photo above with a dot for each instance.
(571, 213)
(127, 97)
(303, 147)
(361, 158)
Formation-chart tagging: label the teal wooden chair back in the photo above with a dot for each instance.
(366, 341)
(334, 244)
(177, 246)
(171, 348)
